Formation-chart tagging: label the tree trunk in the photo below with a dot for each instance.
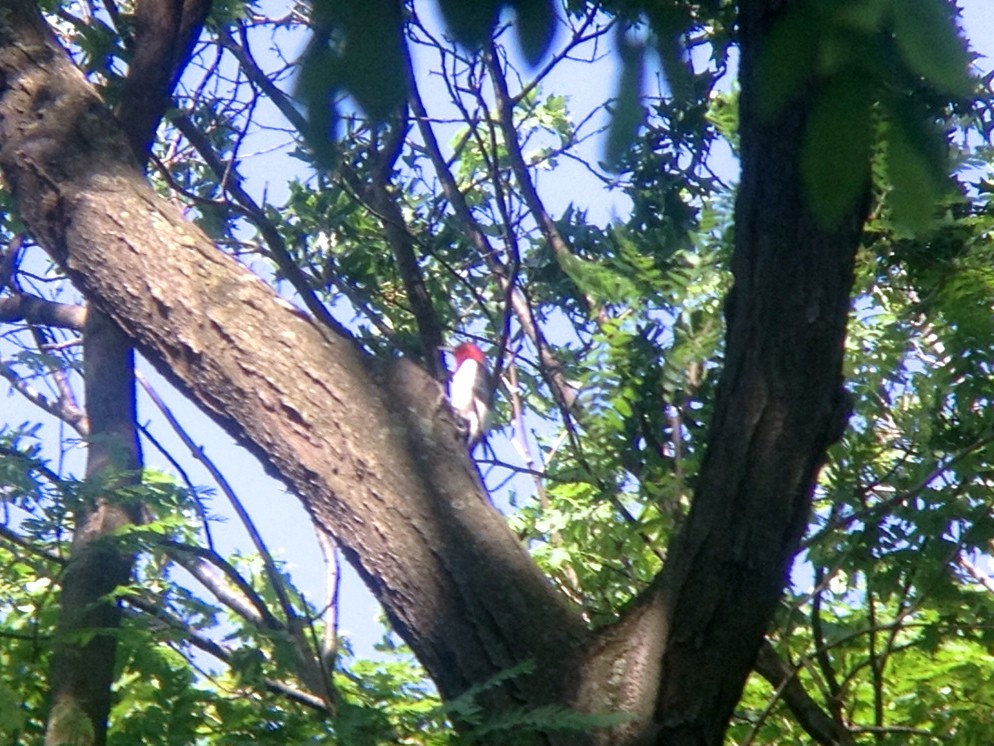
(780, 404)
(86, 638)
(83, 671)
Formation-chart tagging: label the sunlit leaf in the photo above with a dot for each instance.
(835, 162)
(597, 280)
(627, 112)
(787, 59)
(928, 39)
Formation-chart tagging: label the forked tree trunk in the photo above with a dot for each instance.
(372, 452)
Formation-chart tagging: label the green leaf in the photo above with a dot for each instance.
(627, 113)
(914, 167)
(536, 27)
(247, 665)
(861, 15)
(786, 60)
(597, 280)
(357, 48)
(929, 41)
(12, 718)
(470, 23)
(835, 161)
(670, 22)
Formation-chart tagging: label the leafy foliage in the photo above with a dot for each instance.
(886, 618)
(867, 51)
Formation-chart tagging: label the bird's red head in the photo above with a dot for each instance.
(468, 351)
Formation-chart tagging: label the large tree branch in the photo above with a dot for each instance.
(372, 451)
(35, 310)
(165, 32)
(780, 404)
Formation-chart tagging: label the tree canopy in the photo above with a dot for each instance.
(738, 484)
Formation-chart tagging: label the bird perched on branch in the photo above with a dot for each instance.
(470, 390)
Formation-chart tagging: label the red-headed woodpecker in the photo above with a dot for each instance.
(469, 390)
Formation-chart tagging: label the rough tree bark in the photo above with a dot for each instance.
(372, 452)
(780, 404)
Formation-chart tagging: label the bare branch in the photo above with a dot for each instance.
(61, 408)
(564, 394)
(35, 310)
(308, 660)
(207, 645)
(815, 721)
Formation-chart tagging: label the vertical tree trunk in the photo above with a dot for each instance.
(86, 638)
(780, 404)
